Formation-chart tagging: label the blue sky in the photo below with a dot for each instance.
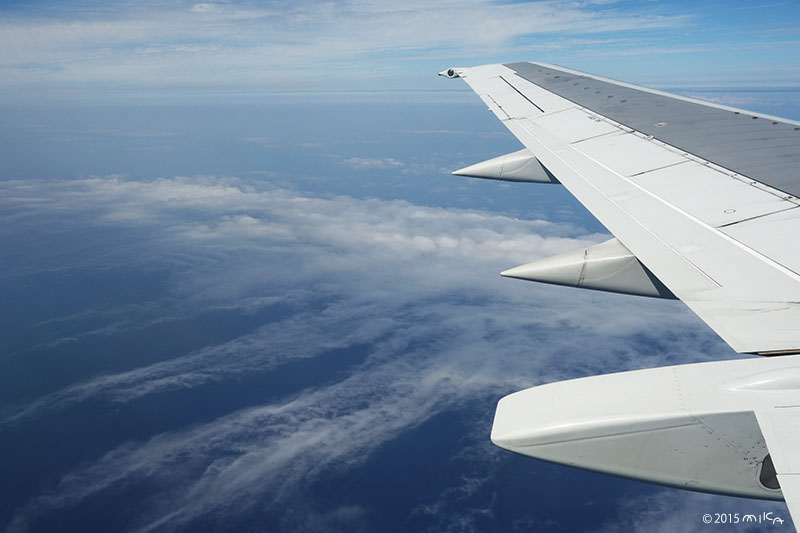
(242, 288)
(87, 50)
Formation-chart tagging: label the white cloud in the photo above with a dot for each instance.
(298, 45)
(207, 7)
(372, 162)
(418, 285)
(671, 510)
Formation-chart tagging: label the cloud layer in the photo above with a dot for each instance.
(280, 46)
(286, 33)
(414, 287)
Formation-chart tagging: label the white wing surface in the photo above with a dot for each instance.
(780, 426)
(704, 196)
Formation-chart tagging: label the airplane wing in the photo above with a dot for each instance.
(703, 196)
(702, 200)
(780, 425)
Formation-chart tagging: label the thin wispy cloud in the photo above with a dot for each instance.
(372, 162)
(286, 46)
(672, 510)
(416, 285)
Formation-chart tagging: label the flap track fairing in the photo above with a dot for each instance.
(519, 166)
(608, 266)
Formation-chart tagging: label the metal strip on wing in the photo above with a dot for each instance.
(764, 150)
(522, 95)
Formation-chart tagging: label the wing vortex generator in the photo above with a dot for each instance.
(697, 217)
